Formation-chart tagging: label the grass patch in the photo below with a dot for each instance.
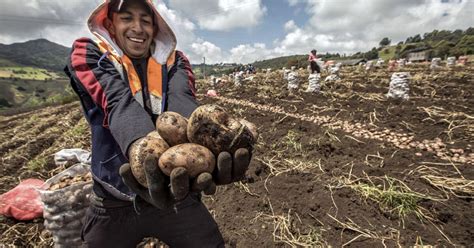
(392, 195)
(289, 229)
(292, 141)
(36, 164)
(28, 73)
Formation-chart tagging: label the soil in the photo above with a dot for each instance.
(301, 187)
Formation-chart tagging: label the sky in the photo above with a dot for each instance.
(244, 31)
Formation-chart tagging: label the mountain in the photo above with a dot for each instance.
(39, 53)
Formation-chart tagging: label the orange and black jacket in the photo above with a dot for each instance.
(116, 118)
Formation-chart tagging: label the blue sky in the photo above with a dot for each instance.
(244, 31)
(270, 29)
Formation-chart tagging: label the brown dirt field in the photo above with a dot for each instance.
(329, 169)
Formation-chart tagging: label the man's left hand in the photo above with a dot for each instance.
(232, 168)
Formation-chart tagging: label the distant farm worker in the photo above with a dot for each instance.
(125, 80)
(312, 58)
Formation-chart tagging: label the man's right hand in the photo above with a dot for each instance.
(162, 192)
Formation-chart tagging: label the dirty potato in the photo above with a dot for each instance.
(195, 158)
(172, 127)
(212, 127)
(154, 144)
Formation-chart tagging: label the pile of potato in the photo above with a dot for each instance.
(68, 180)
(194, 143)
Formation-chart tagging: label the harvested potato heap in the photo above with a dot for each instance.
(69, 180)
(194, 143)
(65, 201)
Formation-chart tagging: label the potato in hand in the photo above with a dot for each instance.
(154, 144)
(172, 127)
(195, 158)
(212, 127)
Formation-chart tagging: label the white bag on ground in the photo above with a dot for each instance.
(285, 73)
(239, 77)
(293, 83)
(435, 63)
(65, 208)
(334, 73)
(451, 61)
(401, 63)
(379, 63)
(369, 66)
(72, 155)
(314, 86)
(399, 86)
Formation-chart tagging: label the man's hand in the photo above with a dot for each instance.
(163, 192)
(232, 169)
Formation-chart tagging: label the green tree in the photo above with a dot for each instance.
(442, 49)
(385, 42)
(416, 38)
(464, 46)
(372, 54)
(292, 62)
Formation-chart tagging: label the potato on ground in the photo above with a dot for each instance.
(172, 127)
(212, 127)
(195, 158)
(150, 144)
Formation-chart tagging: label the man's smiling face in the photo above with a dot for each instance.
(133, 29)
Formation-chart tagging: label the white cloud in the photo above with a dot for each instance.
(293, 2)
(290, 26)
(222, 15)
(248, 53)
(359, 25)
(211, 52)
(22, 20)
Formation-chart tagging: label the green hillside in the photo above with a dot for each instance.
(39, 53)
(29, 73)
(19, 93)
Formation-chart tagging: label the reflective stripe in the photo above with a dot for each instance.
(157, 80)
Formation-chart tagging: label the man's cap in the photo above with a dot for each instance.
(116, 6)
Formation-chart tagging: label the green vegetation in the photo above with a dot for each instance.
(21, 93)
(438, 43)
(392, 196)
(29, 73)
(36, 53)
(215, 70)
(36, 164)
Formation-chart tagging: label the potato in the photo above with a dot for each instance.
(154, 144)
(212, 127)
(172, 127)
(195, 158)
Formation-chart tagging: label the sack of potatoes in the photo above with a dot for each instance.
(192, 144)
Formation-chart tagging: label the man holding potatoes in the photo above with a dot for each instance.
(126, 79)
